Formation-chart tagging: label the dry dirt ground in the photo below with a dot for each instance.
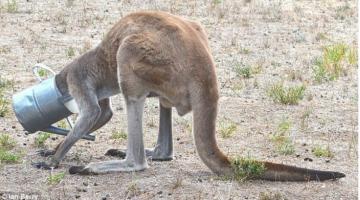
(282, 38)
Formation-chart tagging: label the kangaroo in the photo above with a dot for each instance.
(149, 54)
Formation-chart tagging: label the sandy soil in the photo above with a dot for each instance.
(283, 37)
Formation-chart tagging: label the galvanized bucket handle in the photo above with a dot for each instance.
(35, 70)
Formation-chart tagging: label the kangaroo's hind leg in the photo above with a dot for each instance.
(135, 159)
(163, 150)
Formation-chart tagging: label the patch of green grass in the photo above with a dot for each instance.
(342, 12)
(4, 105)
(11, 6)
(247, 71)
(285, 148)
(333, 55)
(4, 83)
(286, 95)
(333, 62)
(6, 142)
(284, 127)
(62, 124)
(118, 135)
(55, 179)
(244, 50)
(246, 168)
(4, 102)
(352, 56)
(41, 138)
(8, 157)
(43, 73)
(320, 72)
(282, 139)
(319, 151)
(227, 128)
(216, 2)
(244, 72)
(70, 52)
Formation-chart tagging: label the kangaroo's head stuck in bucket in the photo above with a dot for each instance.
(42, 105)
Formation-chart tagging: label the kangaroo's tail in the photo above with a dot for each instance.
(204, 116)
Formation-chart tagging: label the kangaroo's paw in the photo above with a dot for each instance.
(153, 154)
(107, 167)
(116, 153)
(45, 152)
(82, 170)
(44, 165)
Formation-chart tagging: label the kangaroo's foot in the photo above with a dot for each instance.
(47, 165)
(154, 154)
(45, 152)
(107, 167)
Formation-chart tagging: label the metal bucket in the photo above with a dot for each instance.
(42, 105)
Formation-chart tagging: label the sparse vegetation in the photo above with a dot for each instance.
(43, 73)
(215, 2)
(62, 123)
(246, 168)
(119, 135)
(227, 128)
(4, 83)
(342, 12)
(11, 6)
(4, 105)
(55, 179)
(69, 3)
(333, 62)
(132, 190)
(86, 46)
(244, 50)
(70, 52)
(244, 72)
(321, 36)
(271, 196)
(41, 138)
(294, 75)
(4, 102)
(247, 71)
(282, 140)
(319, 151)
(304, 118)
(6, 142)
(237, 85)
(286, 95)
(285, 148)
(151, 122)
(177, 183)
(8, 157)
(352, 56)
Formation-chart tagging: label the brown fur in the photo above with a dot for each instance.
(159, 53)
